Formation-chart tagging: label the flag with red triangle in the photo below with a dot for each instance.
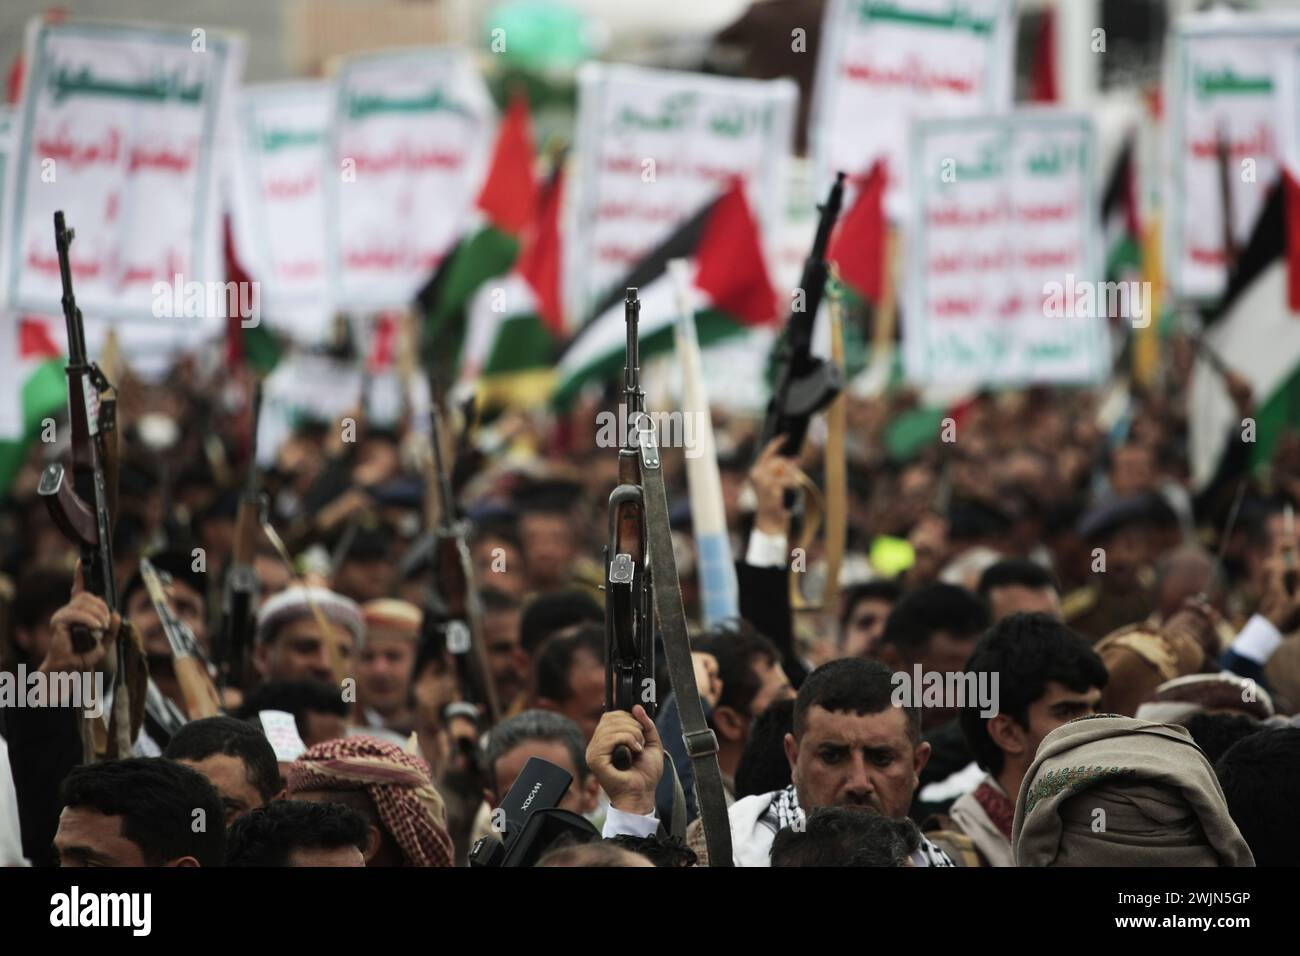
(731, 286)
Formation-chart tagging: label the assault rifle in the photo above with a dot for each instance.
(84, 507)
(805, 384)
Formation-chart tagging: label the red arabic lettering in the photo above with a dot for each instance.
(291, 187)
(913, 75)
(408, 157)
(162, 158)
(63, 149)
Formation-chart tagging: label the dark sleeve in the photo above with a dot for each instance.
(1243, 667)
(44, 745)
(1233, 464)
(765, 603)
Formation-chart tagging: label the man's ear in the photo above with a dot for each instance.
(728, 723)
(262, 659)
(1008, 735)
(374, 841)
(791, 751)
(920, 757)
(590, 793)
(489, 798)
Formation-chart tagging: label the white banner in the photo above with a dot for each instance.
(412, 137)
(1222, 79)
(119, 127)
(279, 198)
(653, 148)
(1003, 257)
(883, 63)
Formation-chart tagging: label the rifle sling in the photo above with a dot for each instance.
(701, 743)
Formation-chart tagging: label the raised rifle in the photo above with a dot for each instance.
(188, 661)
(240, 595)
(453, 611)
(629, 592)
(641, 584)
(805, 384)
(84, 508)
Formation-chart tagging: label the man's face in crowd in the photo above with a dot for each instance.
(301, 652)
(1058, 705)
(774, 686)
(581, 797)
(364, 579)
(1018, 599)
(586, 700)
(320, 726)
(186, 603)
(945, 653)
(865, 625)
(384, 671)
(229, 774)
(499, 564)
(87, 837)
(506, 659)
(845, 759)
(272, 576)
(548, 547)
(1132, 470)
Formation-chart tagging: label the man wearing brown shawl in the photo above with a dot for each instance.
(391, 789)
(1116, 791)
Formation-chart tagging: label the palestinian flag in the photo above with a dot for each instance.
(1256, 333)
(515, 323)
(33, 386)
(506, 206)
(858, 247)
(730, 280)
(1121, 225)
(254, 345)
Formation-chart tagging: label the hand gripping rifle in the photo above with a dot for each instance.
(805, 384)
(240, 595)
(453, 608)
(83, 508)
(640, 582)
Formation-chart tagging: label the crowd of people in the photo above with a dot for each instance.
(1138, 638)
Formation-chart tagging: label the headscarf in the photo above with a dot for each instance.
(400, 784)
(1115, 791)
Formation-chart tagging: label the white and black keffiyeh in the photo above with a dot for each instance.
(784, 811)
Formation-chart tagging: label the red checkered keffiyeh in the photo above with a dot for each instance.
(400, 784)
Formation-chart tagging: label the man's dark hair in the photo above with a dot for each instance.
(548, 614)
(1026, 651)
(889, 591)
(156, 799)
(846, 836)
(1015, 572)
(267, 835)
(534, 725)
(852, 684)
(1215, 733)
(556, 656)
(200, 739)
(39, 593)
(660, 850)
(763, 766)
(1260, 776)
(297, 697)
(932, 608)
(737, 648)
